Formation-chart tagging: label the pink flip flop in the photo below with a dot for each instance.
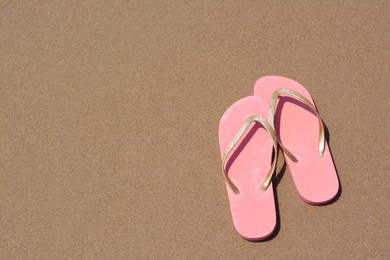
(300, 129)
(246, 142)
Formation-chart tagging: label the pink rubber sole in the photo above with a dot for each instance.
(253, 210)
(315, 177)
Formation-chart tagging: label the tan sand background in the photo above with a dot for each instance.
(109, 115)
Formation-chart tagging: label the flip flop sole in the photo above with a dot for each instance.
(297, 127)
(253, 210)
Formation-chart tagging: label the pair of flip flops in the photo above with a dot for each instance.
(280, 114)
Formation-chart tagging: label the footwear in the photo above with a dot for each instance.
(299, 129)
(246, 143)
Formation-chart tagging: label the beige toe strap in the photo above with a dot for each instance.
(237, 137)
(296, 95)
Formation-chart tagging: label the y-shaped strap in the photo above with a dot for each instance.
(296, 95)
(234, 142)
